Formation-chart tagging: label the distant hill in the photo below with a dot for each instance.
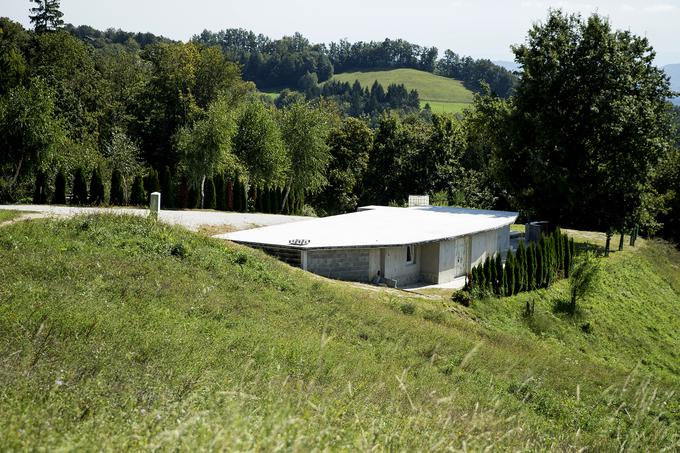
(443, 94)
(673, 71)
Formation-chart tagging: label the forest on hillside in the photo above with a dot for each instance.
(105, 117)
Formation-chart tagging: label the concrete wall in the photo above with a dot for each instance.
(488, 244)
(453, 259)
(429, 263)
(341, 264)
(398, 269)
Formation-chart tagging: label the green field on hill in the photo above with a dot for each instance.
(117, 333)
(431, 88)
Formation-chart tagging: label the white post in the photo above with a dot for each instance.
(155, 205)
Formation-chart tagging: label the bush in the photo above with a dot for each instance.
(117, 194)
(209, 194)
(462, 297)
(79, 196)
(407, 308)
(59, 188)
(96, 188)
(167, 189)
(138, 194)
(583, 277)
(40, 192)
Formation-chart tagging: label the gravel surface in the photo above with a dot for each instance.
(193, 220)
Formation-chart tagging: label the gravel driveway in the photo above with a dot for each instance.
(193, 220)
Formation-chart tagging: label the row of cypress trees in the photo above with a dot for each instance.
(221, 192)
(531, 268)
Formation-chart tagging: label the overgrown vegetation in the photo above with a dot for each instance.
(119, 333)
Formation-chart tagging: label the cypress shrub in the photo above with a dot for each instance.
(498, 263)
(566, 266)
(96, 188)
(209, 194)
(194, 197)
(153, 184)
(117, 194)
(220, 192)
(183, 193)
(531, 267)
(267, 200)
(522, 266)
(509, 274)
(79, 196)
(59, 188)
(502, 280)
(482, 276)
(167, 190)
(259, 199)
(244, 197)
(492, 275)
(40, 192)
(572, 253)
(237, 195)
(540, 264)
(487, 274)
(138, 194)
(230, 195)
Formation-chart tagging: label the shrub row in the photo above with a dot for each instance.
(530, 268)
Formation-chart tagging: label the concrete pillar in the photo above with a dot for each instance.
(155, 204)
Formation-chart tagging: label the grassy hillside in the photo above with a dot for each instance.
(431, 88)
(118, 333)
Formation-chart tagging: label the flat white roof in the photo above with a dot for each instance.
(378, 226)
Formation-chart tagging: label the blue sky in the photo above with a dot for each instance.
(477, 28)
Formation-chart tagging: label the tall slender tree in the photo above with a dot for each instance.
(46, 15)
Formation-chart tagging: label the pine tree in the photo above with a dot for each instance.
(482, 276)
(96, 188)
(117, 194)
(46, 16)
(152, 184)
(59, 188)
(167, 189)
(502, 281)
(40, 192)
(79, 196)
(138, 194)
(209, 201)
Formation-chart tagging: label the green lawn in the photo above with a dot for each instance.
(431, 88)
(117, 333)
(6, 215)
(446, 107)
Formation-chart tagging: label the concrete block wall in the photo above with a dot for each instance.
(341, 264)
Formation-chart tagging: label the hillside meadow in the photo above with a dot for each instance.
(121, 333)
(442, 93)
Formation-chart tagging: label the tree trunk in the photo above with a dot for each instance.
(633, 236)
(621, 243)
(285, 195)
(203, 192)
(608, 243)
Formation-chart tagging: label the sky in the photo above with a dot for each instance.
(481, 29)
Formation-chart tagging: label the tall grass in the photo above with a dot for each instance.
(119, 333)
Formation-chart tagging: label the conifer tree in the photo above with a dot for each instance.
(482, 277)
(509, 274)
(220, 192)
(209, 194)
(116, 194)
(230, 195)
(138, 194)
(167, 189)
(79, 196)
(244, 197)
(46, 15)
(498, 264)
(183, 193)
(59, 188)
(502, 281)
(153, 184)
(236, 194)
(566, 266)
(96, 188)
(531, 267)
(522, 266)
(487, 273)
(194, 197)
(493, 287)
(39, 195)
(540, 264)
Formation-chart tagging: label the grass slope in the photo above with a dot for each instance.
(432, 88)
(7, 215)
(118, 333)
